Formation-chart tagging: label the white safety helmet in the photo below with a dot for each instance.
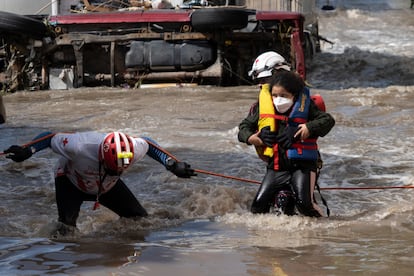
(265, 63)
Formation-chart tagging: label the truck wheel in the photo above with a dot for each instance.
(20, 24)
(210, 19)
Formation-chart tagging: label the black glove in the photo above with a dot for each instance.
(18, 153)
(180, 169)
(287, 138)
(268, 137)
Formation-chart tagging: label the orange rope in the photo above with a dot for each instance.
(227, 176)
(258, 182)
(239, 178)
(368, 188)
(325, 188)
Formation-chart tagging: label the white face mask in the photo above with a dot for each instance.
(282, 104)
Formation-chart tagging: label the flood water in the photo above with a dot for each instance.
(202, 225)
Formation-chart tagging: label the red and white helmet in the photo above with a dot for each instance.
(116, 152)
(265, 63)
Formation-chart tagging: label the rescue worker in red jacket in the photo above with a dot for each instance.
(284, 125)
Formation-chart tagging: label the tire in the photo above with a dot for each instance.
(210, 19)
(19, 24)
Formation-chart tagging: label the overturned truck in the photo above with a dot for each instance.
(214, 45)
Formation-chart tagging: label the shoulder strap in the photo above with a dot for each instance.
(325, 203)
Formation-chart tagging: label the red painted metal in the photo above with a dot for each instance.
(272, 15)
(122, 17)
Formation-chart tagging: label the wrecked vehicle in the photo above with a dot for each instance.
(213, 45)
(20, 50)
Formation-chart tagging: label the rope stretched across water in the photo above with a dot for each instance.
(239, 178)
(322, 188)
(258, 182)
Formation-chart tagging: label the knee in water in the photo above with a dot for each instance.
(307, 209)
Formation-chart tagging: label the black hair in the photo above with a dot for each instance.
(289, 80)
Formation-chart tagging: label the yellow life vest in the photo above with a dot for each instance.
(266, 108)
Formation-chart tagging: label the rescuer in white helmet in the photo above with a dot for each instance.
(266, 64)
(269, 128)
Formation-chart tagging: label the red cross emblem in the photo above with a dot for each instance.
(65, 141)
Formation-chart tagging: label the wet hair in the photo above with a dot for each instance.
(290, 81)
